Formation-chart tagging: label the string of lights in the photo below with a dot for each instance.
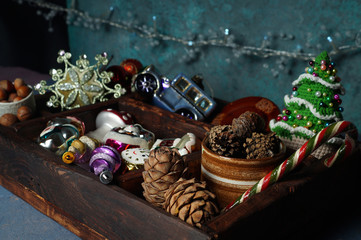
(77, 17)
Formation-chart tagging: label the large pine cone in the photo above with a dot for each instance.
(261, 145)
(191, 201)
(163, 168)
(223, 141)
(247, 123)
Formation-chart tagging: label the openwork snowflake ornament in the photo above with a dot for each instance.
(79, 84)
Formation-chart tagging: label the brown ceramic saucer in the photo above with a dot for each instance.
(263, 106)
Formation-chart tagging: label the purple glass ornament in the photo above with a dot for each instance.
(336, 96)
(285, 118)
(104, 162)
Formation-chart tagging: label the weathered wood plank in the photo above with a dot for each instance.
(108, 210)
(311, 191)
(76, 199)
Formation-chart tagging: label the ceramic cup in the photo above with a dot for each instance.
(12, 107)
(228, 177)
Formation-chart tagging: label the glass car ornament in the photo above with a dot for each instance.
(181, 95)
(59, 134)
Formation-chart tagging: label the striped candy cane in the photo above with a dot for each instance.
(296, 158)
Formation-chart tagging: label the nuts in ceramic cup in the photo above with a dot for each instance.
(18, 82)
(8, 119)
(23, 91)
(3, 94)
(11, 97)
(7, 85)
(24, 113)
(14, 92)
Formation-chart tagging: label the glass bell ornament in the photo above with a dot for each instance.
(134, 158)
(184, 145)
(104, 162)
(108, 119)
(59, 134)
(130, 136)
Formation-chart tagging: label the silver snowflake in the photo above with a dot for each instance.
(79, 84)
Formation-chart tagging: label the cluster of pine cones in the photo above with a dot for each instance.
(165, 185)
(245, 138)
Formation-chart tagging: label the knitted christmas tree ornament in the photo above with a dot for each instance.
(314, 104)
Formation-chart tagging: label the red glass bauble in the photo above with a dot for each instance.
(119, 76)
(131, 66)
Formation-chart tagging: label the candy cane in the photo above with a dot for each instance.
(296, 158)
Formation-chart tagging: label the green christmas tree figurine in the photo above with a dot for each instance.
(314, 104)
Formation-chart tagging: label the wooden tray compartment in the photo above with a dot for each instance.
(162, 123)
(76, 199)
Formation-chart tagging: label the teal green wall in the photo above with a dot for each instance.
(300, 26)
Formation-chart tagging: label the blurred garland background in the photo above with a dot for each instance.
(241, 48)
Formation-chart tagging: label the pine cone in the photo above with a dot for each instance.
(261, 145)
(223, 141)
(163, 168)
(247, 123)
(190, 201)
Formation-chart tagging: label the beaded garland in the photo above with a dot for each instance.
(314, 103)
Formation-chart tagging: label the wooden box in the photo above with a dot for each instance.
(77, 200)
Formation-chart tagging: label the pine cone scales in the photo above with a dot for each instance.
(223, 141)
(190, 201)
(163, 167)
(261, 145)
(246, 123)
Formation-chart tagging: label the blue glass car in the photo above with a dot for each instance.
(181, 95)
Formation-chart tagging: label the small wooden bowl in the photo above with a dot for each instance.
(12, 107)
(228, 177)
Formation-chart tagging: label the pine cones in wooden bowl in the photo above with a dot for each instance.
(235, 157)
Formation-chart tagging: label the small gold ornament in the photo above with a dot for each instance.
(79, 84)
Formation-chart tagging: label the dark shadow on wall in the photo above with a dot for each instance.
(24, 37)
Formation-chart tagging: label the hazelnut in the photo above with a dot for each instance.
(7, 85)
(8, 119)
(3, 94)
(17, 98)
(23, 91)
(18, 82)
(12, 96)
(24, 113)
